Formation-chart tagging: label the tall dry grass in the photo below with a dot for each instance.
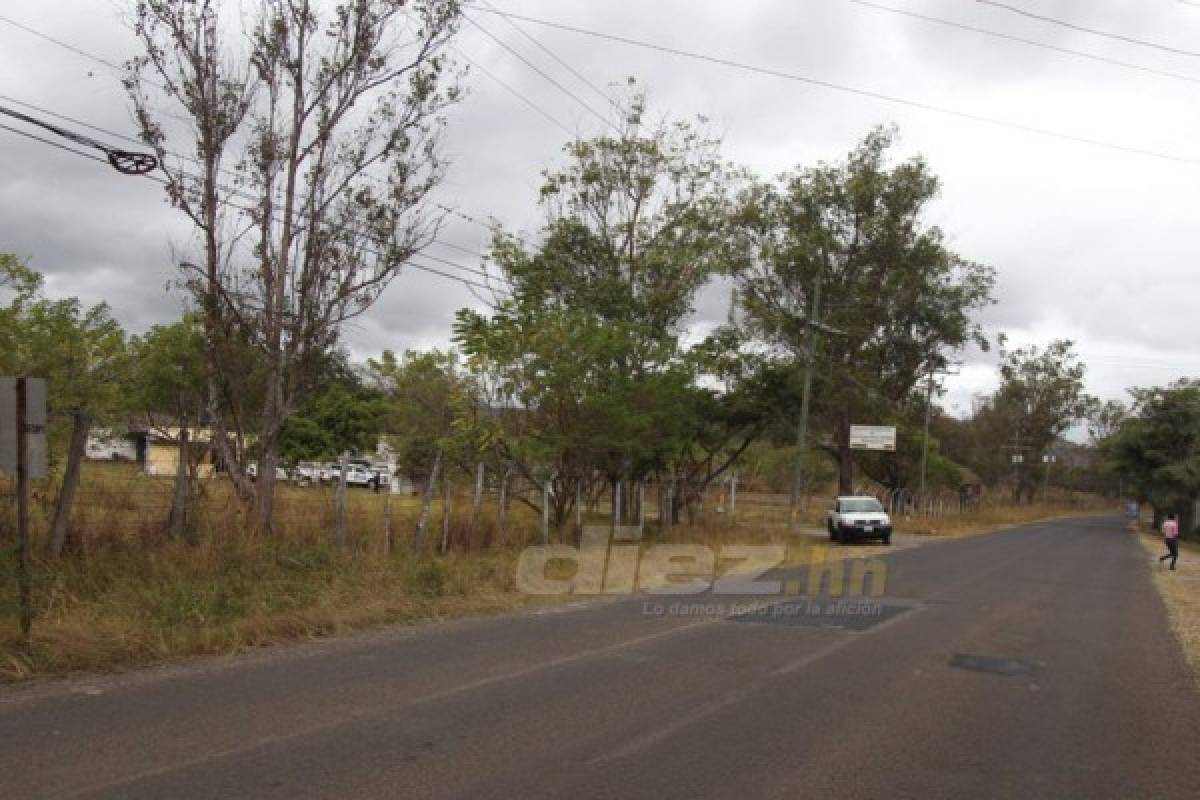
(125, 595)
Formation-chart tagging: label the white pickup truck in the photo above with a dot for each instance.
(853, 518)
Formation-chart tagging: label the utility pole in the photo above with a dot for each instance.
(802, 426)
(1047, 460)
(1018, 458)
(23, 566)
(928, 413)
(925, 440)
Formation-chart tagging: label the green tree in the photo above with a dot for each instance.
(432, 417)
(1156, 450)
(1041, 395)
(168, 385)
(82, 355)
(345, 418)
(897, 301)
(332, 114)
(585, 357)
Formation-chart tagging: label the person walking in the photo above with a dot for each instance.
(1170, 531)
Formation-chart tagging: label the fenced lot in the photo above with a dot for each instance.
(126, 594)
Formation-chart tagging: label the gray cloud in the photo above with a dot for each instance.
(1089, 243)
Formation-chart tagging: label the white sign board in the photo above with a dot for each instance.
(35, 426)
(873, 437)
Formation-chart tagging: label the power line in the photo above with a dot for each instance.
(539, 71)
(122, 161)
(1083, 29)
(52, 143)
(838, 87)
(248, 209)
(117, 135)
(566, 65)
(115, 67)
(543, 112)
(231, 190)
(60, 43)
(1021, 40)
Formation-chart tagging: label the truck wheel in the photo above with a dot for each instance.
(887, 540)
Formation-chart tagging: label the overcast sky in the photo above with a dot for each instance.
(1089, 243)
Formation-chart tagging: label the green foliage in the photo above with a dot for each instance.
(1041, 396)
(81, 352)
(1157, 448)
(897, 300)
(585, 358)
(427, 401)
(345, 418)
(168, 369)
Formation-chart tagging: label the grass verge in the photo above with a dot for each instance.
(126, 597)
(1180, 590)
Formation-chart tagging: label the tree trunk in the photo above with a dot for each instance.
(81, 423)
(502, 506)
(476, 502)
(268, 459)
(387, 520)
(579, 509)
(427, 500)
(845, 468)
(177, 521)
(445, 513)
(339, 506)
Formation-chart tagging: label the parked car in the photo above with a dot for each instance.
(384, 471)
(357, 475)
(306, 473)
(858, 517)
(252, 473)
(331, 473)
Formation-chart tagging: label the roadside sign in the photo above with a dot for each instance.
(35, 425)
(873, 437)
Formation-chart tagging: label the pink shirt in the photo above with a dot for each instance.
(1171, 529)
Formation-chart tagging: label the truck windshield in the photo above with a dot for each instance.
(861, 505)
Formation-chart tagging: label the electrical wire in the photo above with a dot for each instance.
(123, 161)
(247, 209)
(231, 190)
(1083, 29)
(52, 143)
(565, 64)
(846, 89)
(60, 43)
(93, 57)
(543, 112)
(1030, 42)
(539, 71)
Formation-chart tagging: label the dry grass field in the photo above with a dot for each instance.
(126, 596)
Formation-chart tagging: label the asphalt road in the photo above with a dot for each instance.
(1031, 663)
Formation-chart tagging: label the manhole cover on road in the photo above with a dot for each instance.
(844, 613)
(996, 666)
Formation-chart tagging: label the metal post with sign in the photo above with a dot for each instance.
(23, 454)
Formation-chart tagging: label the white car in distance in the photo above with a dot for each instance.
(853, 517)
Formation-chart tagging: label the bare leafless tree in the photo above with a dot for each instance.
(316, 144)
